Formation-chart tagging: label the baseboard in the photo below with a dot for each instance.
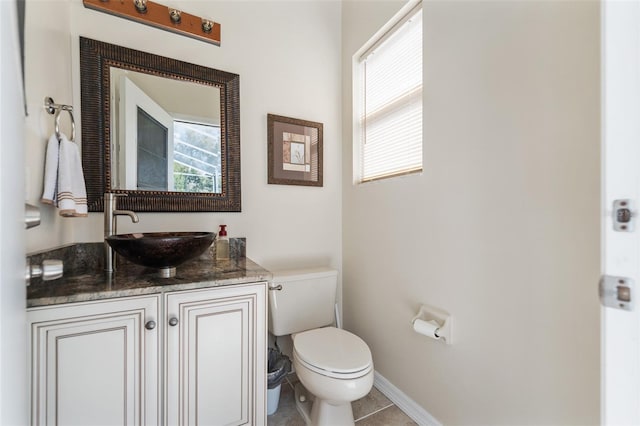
(406, 404)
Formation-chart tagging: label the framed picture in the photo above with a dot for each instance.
(295, 151)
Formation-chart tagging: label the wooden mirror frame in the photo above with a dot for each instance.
(96, 59)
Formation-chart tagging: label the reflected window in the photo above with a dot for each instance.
(196, 157)
(167, 139)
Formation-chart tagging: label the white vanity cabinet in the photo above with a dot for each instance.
(186, 357)
(216, 348)
(95, 363)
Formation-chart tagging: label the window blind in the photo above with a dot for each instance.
(391, 119)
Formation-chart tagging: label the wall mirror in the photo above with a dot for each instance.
(162, 131)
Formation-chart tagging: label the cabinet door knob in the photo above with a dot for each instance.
(150, 325)
(173, 321)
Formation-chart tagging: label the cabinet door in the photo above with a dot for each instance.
(216, 362)
(95, 363)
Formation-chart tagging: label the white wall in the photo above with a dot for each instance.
(47, 73)
(501, 229)
(13, 316)
(288, 57)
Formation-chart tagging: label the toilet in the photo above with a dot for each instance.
(335, 366)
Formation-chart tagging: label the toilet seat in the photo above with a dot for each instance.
(333, 352)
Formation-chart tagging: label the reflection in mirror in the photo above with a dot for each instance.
(166, 134)
(162, 131)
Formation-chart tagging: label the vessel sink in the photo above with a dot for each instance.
(163, 250)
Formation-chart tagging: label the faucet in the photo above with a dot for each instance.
(111, 228)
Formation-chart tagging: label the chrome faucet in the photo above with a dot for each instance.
(111, 226)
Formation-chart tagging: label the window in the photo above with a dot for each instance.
(388, 103)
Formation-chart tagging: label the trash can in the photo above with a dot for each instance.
(278, 366)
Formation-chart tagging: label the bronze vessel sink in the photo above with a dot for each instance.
(162, 250)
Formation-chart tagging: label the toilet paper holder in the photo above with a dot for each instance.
(434, 322)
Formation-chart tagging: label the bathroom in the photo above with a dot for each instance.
(501, 229)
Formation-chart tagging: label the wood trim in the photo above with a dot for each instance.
(157, 16)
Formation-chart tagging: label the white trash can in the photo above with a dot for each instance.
(278, 366)
(273, 398)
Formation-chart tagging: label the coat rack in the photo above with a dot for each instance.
(159, 16)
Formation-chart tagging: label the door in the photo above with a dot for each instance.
(13, 325)
(621, 180)
(215, 356)
(96, 363)
(145, 148)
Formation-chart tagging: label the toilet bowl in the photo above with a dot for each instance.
(334, 365)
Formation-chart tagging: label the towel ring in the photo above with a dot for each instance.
(53, 108)
(73, 123)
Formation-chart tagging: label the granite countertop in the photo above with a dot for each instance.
(131, 280)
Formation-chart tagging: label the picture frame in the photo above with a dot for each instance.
(294, 151)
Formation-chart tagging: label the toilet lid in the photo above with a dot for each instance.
(333, 351)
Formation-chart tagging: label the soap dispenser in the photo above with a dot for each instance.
(222, 244)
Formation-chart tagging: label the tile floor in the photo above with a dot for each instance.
(375, 409)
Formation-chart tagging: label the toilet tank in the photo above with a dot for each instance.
(306, 300)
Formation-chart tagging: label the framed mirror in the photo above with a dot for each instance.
(162, 131)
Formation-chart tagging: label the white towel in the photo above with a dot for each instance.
(69, 193)
(51, 172)
(72, 193)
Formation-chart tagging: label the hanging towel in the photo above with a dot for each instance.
(49, 195)
(72, 193)
(64, 185)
